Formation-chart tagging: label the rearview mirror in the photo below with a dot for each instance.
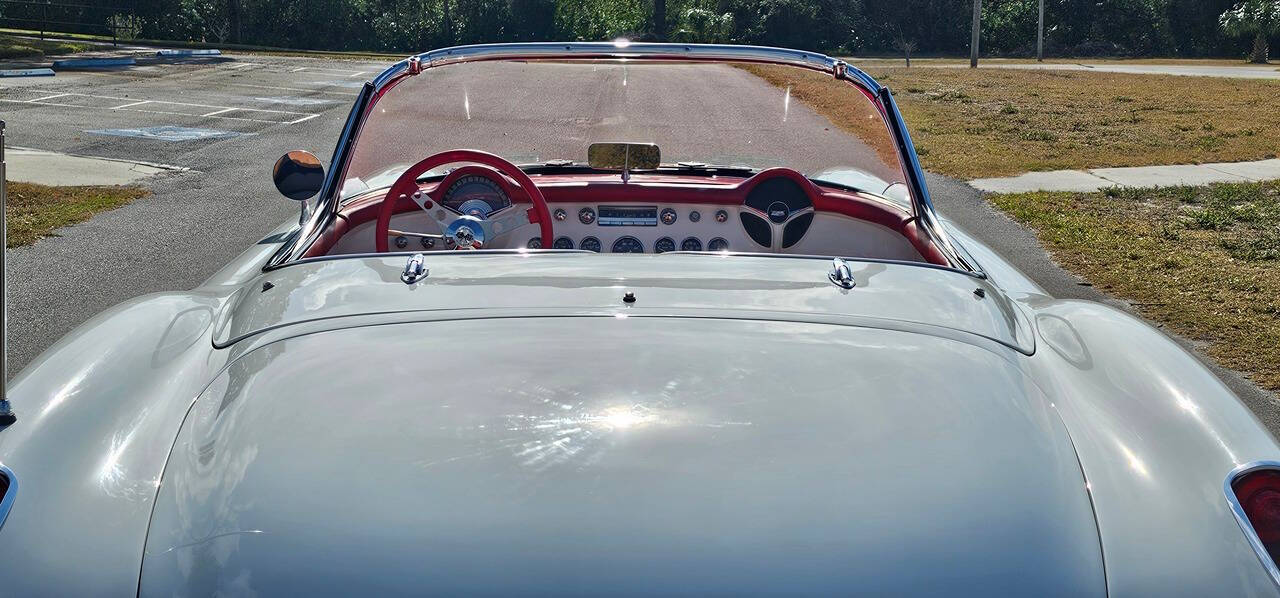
(623, 156)
(298, 175)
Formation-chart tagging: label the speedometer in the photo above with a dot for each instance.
(628, 245)
(475, 195)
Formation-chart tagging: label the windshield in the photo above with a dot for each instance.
(549, 112)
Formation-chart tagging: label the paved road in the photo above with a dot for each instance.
(253, 108)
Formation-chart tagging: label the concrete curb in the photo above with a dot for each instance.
(89, 63)
(1097, 179)
(27, 73)
(54, 168)
(179, 53)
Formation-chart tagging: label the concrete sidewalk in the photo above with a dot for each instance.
(1085, 181)
(52, 168)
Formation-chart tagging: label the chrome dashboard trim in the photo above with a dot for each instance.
(1242, 518)
(7, 503)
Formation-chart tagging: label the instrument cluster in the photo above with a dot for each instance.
(626, 228)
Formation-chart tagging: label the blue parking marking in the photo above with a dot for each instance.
(169, 133)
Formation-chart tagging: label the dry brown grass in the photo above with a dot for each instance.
(832, 99)
(1204, 261)
(35, 211)
(998, 122)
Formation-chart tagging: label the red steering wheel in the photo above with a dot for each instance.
(466, 231)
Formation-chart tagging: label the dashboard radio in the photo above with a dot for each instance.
(628, 216)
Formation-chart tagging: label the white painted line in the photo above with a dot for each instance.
(56, 95)
(299, 69)
(357, 73)
(307, 89)
(166, 112)
(216, 112)
(303, 119)
(130, 104)
(243, 64)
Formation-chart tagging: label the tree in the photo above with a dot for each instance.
(1259, 18)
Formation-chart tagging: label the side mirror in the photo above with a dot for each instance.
(298, 175)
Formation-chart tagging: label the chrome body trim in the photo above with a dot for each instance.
(622, 50)
(1242, 518)
(7, 502)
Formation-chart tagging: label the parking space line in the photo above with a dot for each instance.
(281, 116)
(357, 73)
(303, 119)
(168, 112)
(56, 95)
(299, 69)
(341, 93)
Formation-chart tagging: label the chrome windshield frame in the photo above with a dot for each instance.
(330, 196)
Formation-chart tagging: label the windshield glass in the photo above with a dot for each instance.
(726, 114)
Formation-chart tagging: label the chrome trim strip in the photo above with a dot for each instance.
(1243, 519)
(7, 502)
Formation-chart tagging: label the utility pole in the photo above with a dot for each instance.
(973, 39)
(1040, 35)
(6, 412)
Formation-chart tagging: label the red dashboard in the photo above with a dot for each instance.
(758, 196)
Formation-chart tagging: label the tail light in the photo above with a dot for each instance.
(8, 489)
(1254, 493)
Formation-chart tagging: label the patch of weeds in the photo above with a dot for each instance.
(1039, 136)
(1009, 109)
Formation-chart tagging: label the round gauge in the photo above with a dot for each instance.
(695, 216)
(691, 244)
(586, 215)
(475, 195)
(563, 243)
(590, 244)
(534, 243)
(664, 245)
(668, 216)
(718, 244)
(628, 245)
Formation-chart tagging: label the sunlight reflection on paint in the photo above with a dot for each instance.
(466, 102)
(621, 418)
(1135, 463)
(786, 104)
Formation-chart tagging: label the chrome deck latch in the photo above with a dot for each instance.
(840, 274)
(415, 269)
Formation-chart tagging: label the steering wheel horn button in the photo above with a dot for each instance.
(467, 232)
(779, 212)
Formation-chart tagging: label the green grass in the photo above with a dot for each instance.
(1203, 261)
(35, 211)
(16, 47)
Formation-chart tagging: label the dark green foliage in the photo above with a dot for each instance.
(1073, 27)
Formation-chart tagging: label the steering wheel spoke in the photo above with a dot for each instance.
(465, 231)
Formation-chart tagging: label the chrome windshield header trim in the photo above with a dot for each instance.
(7, 502)
(1242, 518)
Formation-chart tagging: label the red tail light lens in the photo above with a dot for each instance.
(1258, 493)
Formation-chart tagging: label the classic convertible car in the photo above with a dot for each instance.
(611, 318)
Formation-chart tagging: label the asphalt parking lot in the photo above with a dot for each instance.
(227, 121)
